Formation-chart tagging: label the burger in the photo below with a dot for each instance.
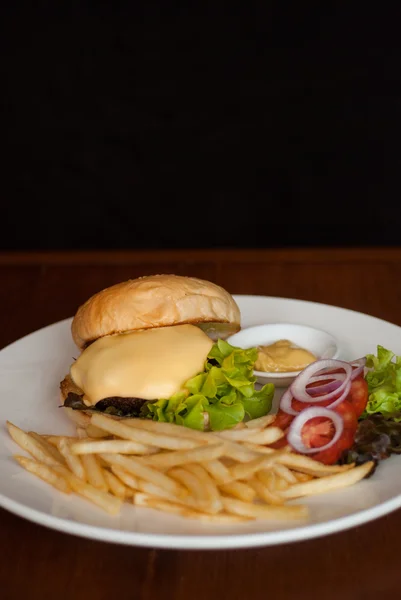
(155, 347)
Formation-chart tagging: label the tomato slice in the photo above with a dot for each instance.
(359, 395)
(283, 419)
(281, 443)
(331, 455)
(317, 432)
(347, 411)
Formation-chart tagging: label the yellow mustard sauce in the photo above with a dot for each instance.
(283, 356)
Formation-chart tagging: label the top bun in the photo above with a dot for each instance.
(156, 301)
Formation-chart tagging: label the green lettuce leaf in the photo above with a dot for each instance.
(219, 397)
(223, 416)
(384, 384)
(260, 402)
(191, 412)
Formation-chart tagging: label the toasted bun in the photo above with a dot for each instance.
(156, 301)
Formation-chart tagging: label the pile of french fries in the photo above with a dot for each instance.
(221, 477)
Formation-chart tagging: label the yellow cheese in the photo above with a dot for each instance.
(149, 364)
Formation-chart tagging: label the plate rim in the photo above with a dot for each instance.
(169, 541)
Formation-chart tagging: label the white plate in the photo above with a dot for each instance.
(30, 371)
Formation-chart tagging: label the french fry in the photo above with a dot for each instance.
(168, 460)
(81, 433)
(261, 422)
(119, 429)
(82, 436)
(44, 472)
(194, 485)
(264, 492)
(218, 471)
(272, 481)
(285, 473)
(240, 490)
(148, 501)
(72, 461)
(280, 483)
(139, 469)
(328, 483)
(94, 472)
(305, 464)
(222, 518)
(31, 445)
(209, 486)
(302, 476)
(171, 429)
(116, 487)
(266, 436)
(78, 417)
(246, 470)
(268, 478)
(239, 452)
(102, 462)
(54, 439)
(238, 435)
(112, 446)
(95, 432)
(127, 478)
(103, 499)
(158, 492)
(48, 446)
(257, 448)
(260, 511)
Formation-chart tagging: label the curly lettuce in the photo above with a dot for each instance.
(221, 396)
(384, 384)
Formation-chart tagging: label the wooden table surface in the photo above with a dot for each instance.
(362, 563)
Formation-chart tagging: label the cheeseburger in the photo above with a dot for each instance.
(154, 347)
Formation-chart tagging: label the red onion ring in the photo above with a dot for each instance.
(360, 367)
(286, 403)
(319, 371)
(359, 361)
(294, 435)
(287, 397)
(334, 383)
(298, 386)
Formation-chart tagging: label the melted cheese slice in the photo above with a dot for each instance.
(150, 364)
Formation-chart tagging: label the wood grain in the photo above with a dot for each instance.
(39, 288)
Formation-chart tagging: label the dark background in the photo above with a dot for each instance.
(274, 125)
